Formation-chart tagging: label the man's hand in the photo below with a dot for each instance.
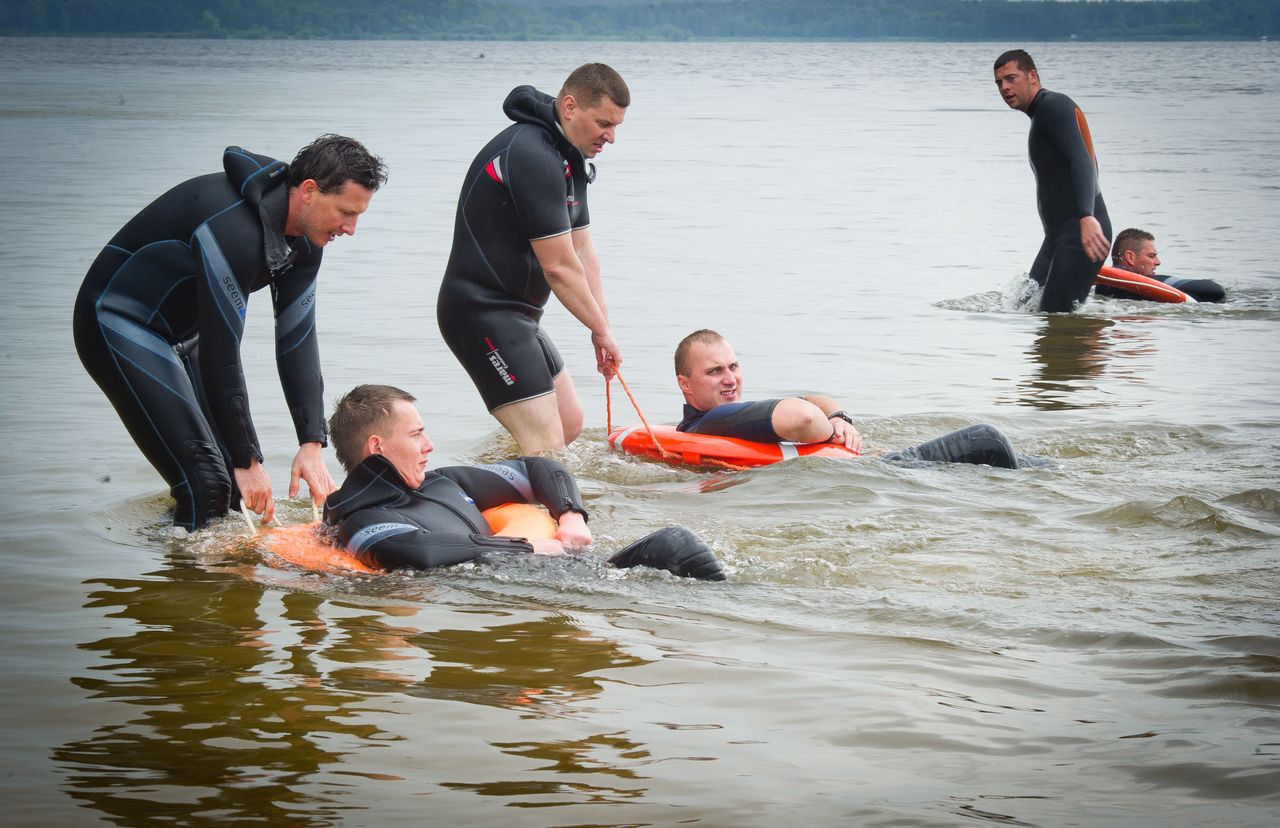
(308, 465)
(845, 434)
(1093, 240)
(573, 532)
(608, 357)
(548, 546)
(255, 491)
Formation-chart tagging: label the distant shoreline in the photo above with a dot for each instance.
(393, 38)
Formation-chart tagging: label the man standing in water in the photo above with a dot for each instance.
(521, 234)
(1076, 226)
(160, 315)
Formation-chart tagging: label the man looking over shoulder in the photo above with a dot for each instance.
(1135, 251)
(521, 234)
(161, 312)
(392, 513)
(710, 377)
(1072, 212)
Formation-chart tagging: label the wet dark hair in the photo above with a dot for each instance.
(706, 336)
(591, 81)
(364, 410)
(1019, 57)
(333, 160)
(1131, 238)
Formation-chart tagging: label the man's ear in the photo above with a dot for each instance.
(373, 445)
(1129, 257)
(683, 382)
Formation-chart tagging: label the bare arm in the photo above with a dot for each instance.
(570, 280)
(810, 419)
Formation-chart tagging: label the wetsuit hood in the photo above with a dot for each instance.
(260, 181)
(375, 482)
(526, 105)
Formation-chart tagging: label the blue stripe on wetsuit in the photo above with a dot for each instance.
(370, 535)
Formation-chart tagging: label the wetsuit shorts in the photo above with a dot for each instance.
(743, 420)
(505, 352)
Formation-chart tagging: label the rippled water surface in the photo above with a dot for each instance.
(1088, 641)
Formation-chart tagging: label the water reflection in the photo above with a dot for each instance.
(253, 703)
(1073, 354)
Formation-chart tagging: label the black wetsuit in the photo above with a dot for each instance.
(178, 276)
(743, 420)
(528, 183)
(1066, 170)
(387, 524)
(1201, 290)
(976, 444)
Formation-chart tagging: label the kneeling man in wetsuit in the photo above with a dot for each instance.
(392, 513)
(1135, 251)
(1072, 212)
(710, 377)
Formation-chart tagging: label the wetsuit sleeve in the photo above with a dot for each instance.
(382, 538)
(523, 480)
(228, 259)
(536, 178)
(1068, 131)
(743, 420)
(298, 351)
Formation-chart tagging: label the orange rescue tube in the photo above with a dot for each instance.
(1141, 286)
(521, 520)
(303, 546)
(709, 450)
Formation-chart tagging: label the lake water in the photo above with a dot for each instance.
(1092, 641)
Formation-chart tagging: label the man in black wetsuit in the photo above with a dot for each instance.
(160, 315)
(710, 377)
(1076, 225)
(1135, 251)
(394, 514)
(521, 234)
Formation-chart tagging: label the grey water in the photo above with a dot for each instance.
(1091, 641)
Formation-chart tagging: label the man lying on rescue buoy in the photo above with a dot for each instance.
(1135, 251)
(710, 377)
(392, 513)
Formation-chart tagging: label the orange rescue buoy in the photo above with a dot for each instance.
(1141, 286)
(710, 450)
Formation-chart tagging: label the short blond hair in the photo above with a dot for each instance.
(704, 336)
(362, 411)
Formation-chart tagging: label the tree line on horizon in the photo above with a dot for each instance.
(1026, 20)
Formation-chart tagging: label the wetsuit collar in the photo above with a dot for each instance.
(691, 416)
(1035, 102)
(372, 483)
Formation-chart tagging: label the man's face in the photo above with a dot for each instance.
(715, 378)
(1144, 260)
(589, 128)
(322, 217)
(1018, 88)
(406, 444)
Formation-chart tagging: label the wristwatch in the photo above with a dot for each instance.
(842, 414)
